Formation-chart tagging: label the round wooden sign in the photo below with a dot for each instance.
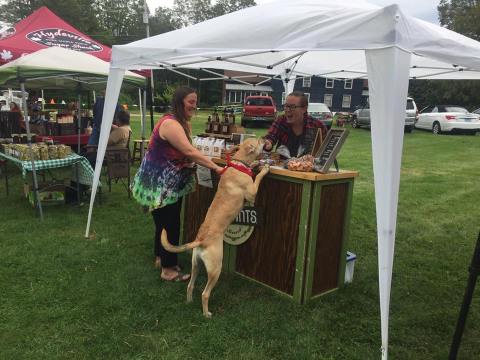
(237, 234)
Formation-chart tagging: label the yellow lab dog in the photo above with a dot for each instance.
(235, 186)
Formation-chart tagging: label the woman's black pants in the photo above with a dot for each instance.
(168, 218)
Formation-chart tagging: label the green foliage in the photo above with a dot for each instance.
(461, 16)
(161, 21)
(188, 12)
(122, 17)
(79, 13)
(167, 95)
(108, 21)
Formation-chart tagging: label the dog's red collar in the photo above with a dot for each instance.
(240, 167)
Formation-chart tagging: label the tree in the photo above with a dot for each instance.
(123, 18)
(162, 21)
(188, 12)
(79, 13)
(461, 16)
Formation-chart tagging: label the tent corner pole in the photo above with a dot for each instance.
(150, 88)
(29, 141)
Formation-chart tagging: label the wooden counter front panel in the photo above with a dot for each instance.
(272, 260)
(329, 239)
(195, 208)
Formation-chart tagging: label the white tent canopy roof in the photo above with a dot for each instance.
(57, 67)
(341, 39)
(306, 27)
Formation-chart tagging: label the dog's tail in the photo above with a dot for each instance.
(177, 249)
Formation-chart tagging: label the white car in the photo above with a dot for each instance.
(320, 111)
(447, 118)
(361, 117)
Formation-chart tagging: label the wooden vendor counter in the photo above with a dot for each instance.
(299, 249)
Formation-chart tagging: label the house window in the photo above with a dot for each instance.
(329, 83)
(328, 99)
(283, 98)
(347, 101)
(308, 96)
(307, 82)
(348, 84)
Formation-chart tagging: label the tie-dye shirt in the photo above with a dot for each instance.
(165, 174)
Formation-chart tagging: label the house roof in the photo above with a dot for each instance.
(248, 87)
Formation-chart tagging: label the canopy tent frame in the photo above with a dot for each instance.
(343, 37)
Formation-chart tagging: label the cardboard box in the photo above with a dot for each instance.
(50, 194)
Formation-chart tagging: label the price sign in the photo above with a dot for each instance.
(329, 149)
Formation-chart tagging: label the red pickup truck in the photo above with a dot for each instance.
(258, 110)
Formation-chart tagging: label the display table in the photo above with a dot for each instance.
(85, 173)
(71, 140)
(300, 247)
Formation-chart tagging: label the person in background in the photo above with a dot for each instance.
(166, 175)
(97, 119)
(294, 132)
(120, 132)
(15, 108)
(4, 106)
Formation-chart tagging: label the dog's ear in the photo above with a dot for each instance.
(251, 148)
(234, 149)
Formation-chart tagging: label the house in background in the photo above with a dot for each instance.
(236, 92)
(337, 94)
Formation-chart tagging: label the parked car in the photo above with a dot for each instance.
(448, 118)
(258, 110)
(320, 111)
(361, 117)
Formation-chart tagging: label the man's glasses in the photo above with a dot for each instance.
(291, 107)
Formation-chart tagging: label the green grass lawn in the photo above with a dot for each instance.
(64, 296)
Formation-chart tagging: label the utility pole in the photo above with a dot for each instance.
(146, 14)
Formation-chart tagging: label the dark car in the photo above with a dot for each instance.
(258, 110)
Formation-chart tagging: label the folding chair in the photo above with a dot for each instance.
(118, 167)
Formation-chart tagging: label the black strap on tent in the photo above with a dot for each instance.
(474, 270)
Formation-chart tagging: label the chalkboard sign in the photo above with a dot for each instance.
(329, 149)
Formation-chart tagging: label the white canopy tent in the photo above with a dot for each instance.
(341, 39)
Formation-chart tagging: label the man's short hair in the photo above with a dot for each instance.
(123, 117)
(302, 96)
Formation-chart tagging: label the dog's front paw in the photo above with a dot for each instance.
(265, 169)
(254, 164)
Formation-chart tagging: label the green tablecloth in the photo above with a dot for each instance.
(85, 173)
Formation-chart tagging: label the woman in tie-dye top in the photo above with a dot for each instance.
(166, 174)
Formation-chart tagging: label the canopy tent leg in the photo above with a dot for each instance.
(115, 78)
(79, 121)
(387, 106)
(143, 109)
(29, 140)
(79, 129)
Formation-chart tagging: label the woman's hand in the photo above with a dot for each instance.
(218, 170)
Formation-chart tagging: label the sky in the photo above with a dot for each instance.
(422, 9)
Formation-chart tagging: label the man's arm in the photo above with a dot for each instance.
(273, 135)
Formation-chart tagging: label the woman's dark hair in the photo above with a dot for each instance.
(123, 117)
(302, 96)
(178, 109)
